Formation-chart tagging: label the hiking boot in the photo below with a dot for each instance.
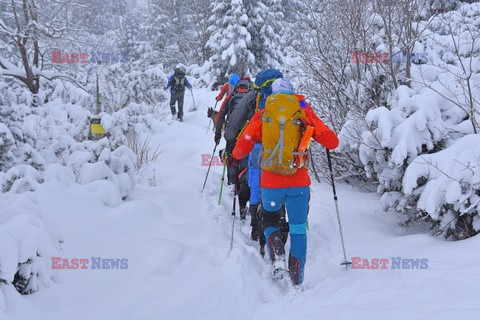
(243, 213)
(255, 234)
(262, 250)
(294, 270)
(254, 222)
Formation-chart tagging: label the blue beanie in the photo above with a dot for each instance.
(234, 78)
(265, 75)
(263, 82)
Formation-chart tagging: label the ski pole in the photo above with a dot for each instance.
(208, 171)
(223, 179)
(345, 263)
(194, 104)
(233, 222)
(313, 166)
(214, 109)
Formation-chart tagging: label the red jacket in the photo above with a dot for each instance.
(253, 134)
(224, 91)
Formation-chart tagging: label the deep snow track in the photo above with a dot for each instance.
(177, 239)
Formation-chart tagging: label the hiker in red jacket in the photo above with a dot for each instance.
(279, 189)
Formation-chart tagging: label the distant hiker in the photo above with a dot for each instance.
(285, 135)
(177, 83)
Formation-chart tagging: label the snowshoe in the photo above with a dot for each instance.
(279, 268)
(243, 213)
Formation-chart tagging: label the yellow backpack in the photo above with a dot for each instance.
(282, 131)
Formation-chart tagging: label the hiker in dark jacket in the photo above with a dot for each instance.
(177, 83)
(242, 112)
(242, 87)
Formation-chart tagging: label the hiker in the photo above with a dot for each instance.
(238, 120)
(236, 170)
(242, 87)
(177, 83)
(226, 91)
(285, 134)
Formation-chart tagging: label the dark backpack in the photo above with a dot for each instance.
(178, 83)
(241, 89)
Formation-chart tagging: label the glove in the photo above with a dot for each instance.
(165, 88)
(218, 136)
(217, 98)
(230, 145)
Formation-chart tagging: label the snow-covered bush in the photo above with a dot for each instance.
(413, 126)
(135, 119)
(29, 239)
(19, 179)
(446, 188)
(6, 147)
(422, 147)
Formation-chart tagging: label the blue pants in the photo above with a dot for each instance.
(254, 172)
(296, 201)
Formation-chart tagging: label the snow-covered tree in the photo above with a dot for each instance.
(230, 40)
(265, 27)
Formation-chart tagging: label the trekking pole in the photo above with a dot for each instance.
(208, 171)
(233, 222)
(313, 166)
(345, 263)
(214, 109)
(223, 179)
(194, 104)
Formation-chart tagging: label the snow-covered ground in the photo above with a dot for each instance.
(177, 239)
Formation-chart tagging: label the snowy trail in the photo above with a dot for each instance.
(177, 239)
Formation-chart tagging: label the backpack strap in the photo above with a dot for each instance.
(257, 101)
(302, 152)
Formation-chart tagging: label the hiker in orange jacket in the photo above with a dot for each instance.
(292, 190)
